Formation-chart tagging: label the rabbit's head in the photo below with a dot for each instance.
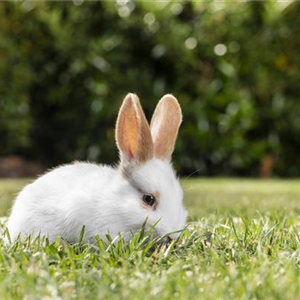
(153, 191)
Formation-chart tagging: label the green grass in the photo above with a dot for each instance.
(242, 243)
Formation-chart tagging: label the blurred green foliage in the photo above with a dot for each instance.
(65, 68)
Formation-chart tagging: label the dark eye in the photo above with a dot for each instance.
(149, 200)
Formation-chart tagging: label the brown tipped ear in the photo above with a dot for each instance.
(164, 126)
(133, 134)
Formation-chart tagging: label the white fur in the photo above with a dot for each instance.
(99, 197)
(108, 200)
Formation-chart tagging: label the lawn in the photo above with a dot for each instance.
(242, 243)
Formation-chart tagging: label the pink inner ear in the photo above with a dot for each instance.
(133, 133)
(164, 126)
(130, 154)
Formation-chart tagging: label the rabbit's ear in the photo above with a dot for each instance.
(133, 134)
(164, 126)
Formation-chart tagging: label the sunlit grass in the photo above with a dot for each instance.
(9, 189)
(242, 243)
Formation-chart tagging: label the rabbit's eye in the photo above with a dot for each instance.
(149, 200)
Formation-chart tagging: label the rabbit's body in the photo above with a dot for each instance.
(63, 200)
(104, 199)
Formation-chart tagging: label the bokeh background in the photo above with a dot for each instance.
(234, 66)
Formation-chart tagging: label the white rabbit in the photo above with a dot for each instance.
(108, 200)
